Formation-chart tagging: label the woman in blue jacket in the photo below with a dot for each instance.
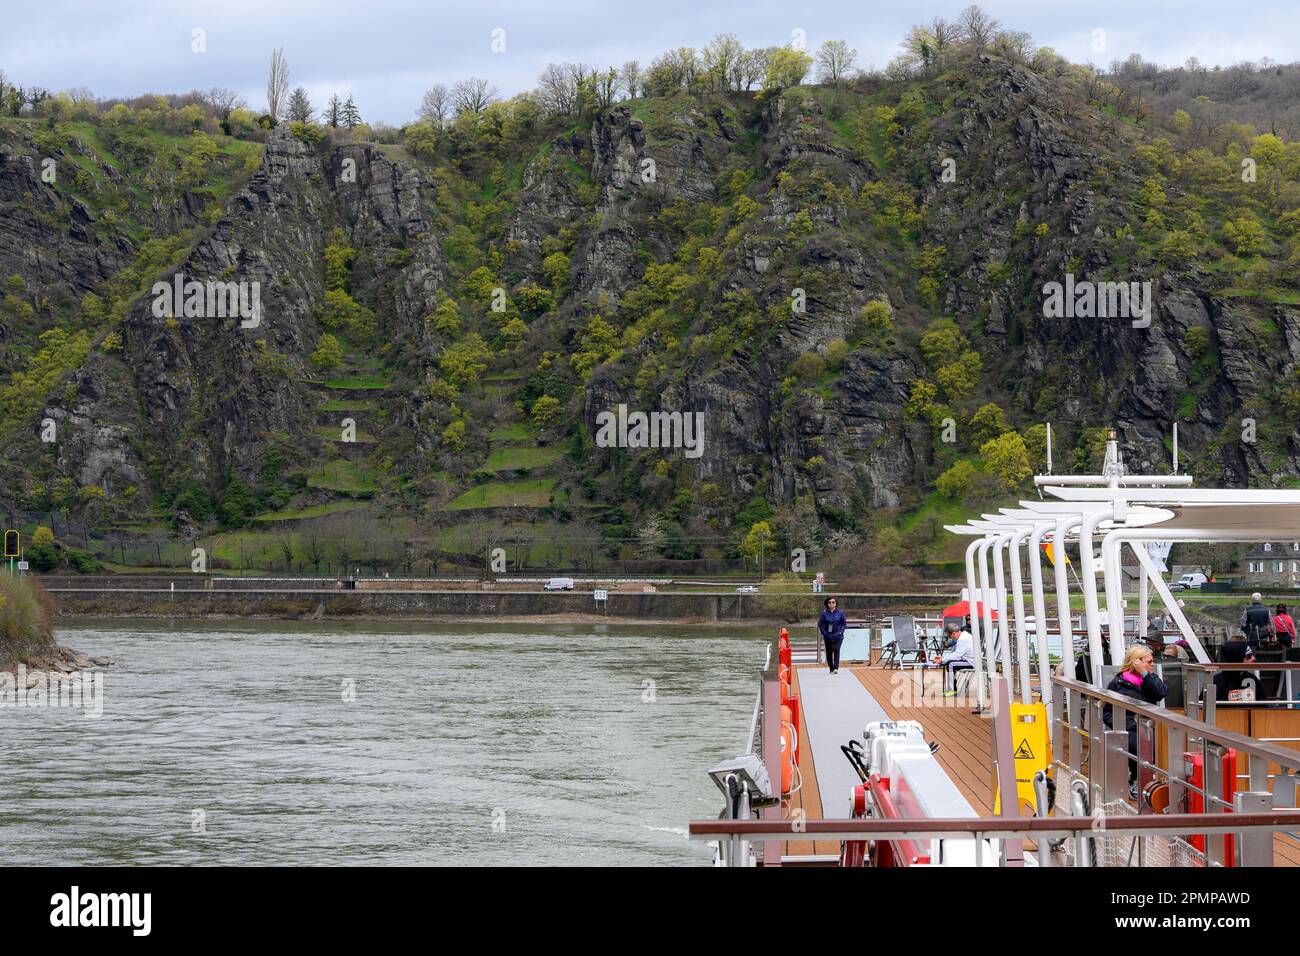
(831, 624)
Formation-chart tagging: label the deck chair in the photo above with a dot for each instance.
(905, 644)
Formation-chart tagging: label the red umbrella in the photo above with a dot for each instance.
(962, 609)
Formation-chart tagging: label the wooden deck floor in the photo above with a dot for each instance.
(965, 740)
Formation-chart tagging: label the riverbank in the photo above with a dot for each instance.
(218, 601)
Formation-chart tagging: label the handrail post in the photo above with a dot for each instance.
(1012, 850)
(1212, 791)
(1146, 752)
(1115, 743)
(1253, 847)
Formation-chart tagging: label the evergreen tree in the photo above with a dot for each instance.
(334, 112)
(300, 110)
(351, 117)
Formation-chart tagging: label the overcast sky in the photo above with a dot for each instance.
(387, 52)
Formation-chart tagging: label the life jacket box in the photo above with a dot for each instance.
(884, 735)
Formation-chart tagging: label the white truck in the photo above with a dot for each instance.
(558, 584)
(1189, 581)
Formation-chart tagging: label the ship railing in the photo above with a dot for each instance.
(1253, 830)
(1167, 745)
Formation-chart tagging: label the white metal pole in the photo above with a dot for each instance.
(1018, 598)
(1064, 616)
(1143, 596)
(1113, 576)
(1088, 578)
(999, 583)
(981, 556)
(974, 619)
(1035, 558)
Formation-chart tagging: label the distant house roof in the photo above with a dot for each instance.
(1277, 549)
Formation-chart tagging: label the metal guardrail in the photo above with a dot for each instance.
(1002, 828)
(1084, 748)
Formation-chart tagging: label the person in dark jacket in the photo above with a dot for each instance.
(1225, 682)
(1256, 621)
(832, 624)
(1137, 679)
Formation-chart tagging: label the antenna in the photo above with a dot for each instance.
(1175, 448)
(1049, 448)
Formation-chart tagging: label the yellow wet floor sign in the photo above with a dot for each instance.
(1030, 748)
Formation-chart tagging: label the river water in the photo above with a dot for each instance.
(381, 743)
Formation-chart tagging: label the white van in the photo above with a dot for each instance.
(559, 584)
(1194, 580)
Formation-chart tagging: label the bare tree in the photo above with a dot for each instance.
(945, 36)
(472, 95)
(435, 105)
(835, 59)
(753, 67)
(557, 88)
(277, 84)
(631, 79)
(720, 60)
(1013, 45)
(605, 86)
(977, 28)
(223, 101)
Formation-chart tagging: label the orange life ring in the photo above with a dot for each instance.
(789, 741)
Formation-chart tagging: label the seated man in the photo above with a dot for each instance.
(959, 656)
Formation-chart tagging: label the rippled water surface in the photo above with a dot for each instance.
(533, 744)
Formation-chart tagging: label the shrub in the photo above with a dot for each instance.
(956, 482)
(876, 320)
(26, 612)
(787, 596)
(836, 352)
(989, 422)
(1007, 460)
(809, 367)
(42, 552)
(1244, 236)
(83, 562)
(328, 353)
(546, 411)
(309, 133)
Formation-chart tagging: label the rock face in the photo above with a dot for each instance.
(735, 235)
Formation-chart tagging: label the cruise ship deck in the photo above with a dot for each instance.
(835, 708)
(1037, 761)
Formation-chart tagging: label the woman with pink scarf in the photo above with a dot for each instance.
(1137, 679)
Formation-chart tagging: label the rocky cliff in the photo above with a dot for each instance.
(785, 266)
